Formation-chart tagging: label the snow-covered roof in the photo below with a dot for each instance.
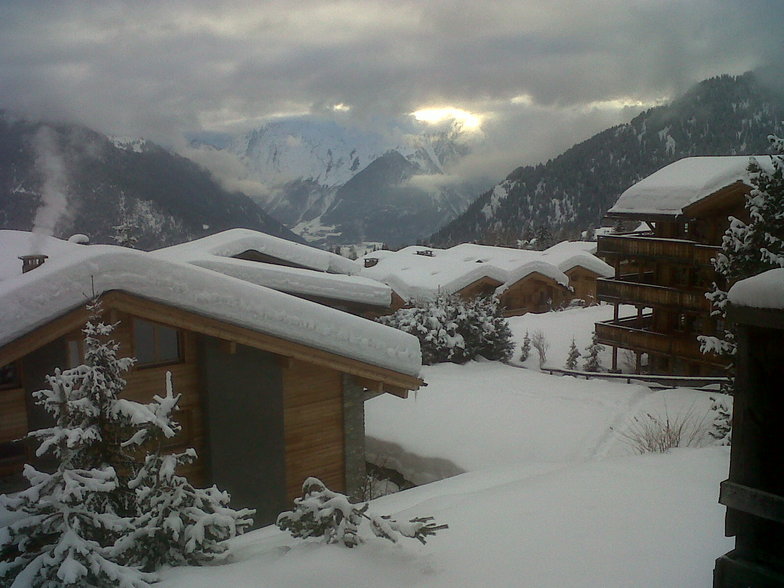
(235, 241)
(302, 281)
(763, 291)
(684, 182)
(415, 276)
(64, 282)
(16, 243)
(570, 254)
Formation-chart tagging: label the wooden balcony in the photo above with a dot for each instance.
(668, 250)
(651, 295)
(634, 333)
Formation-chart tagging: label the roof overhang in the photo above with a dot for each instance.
(382, 378)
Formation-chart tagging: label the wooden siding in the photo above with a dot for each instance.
(482, 287)
(583, 281)
(652, 248)
(13, 414)
(530, 294)
(313, 424)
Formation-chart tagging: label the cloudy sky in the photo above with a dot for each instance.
(535, 75)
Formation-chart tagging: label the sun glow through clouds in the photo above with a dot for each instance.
(433, 116)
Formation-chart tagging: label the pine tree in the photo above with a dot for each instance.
(525, 349)
(71, 520)
(103, 516)
(749, 249)
(320, 512)
(592, 361)
(571, 358)
(176, 523)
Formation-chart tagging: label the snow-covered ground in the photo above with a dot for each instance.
(551, 494)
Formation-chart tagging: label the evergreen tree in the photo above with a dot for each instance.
(592, 361)
(102, 517)
(71, 520)
(525, 349)
(320, 512)
(451, 329)
(571, 358)
(751, 248)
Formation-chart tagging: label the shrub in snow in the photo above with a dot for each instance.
(525, 349)
(592, 362)
(653, 433)
(452, 329)
(749, 249)
(86, 523)
(572, 357)
(320, 512)
(721, 426)
(541, 344)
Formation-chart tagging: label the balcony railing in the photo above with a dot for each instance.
(633, 333)
(650, 295)
(676, 250)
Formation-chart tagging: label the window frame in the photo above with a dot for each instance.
(156, 338)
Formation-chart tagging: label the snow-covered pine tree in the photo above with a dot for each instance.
(749, 249)
(94, 521)
(451, 329)
(177, 524)
(525, 348)
(126, 232)
(320, 512)
(592, 361)
(572, 357)
(71, 520)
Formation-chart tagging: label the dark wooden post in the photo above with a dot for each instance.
(754, 492)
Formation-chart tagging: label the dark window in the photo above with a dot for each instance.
(9, 376)
(154, 343)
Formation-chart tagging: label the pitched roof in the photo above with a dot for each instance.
(684, 182)
(236, 241)
(66, 280)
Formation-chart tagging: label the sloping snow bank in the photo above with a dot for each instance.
(643, 521)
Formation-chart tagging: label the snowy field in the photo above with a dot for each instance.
(542, 489)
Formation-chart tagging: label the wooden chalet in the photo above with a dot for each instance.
(754, 491)
(665, 272)
(272, 387)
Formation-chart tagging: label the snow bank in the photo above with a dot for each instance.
(236, 241)
(64, 283)
(16, 243)
(685, 182)
(763, 291)
(645, 521)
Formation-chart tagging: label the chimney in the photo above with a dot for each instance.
(30, 262)
(371, 261)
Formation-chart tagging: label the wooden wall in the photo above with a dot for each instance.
(584, 283)
(313, 422)
(530, 294)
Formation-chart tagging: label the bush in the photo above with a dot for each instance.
(656, 434)
(320, 512)
(525, 349)
(540, 343)
(452, 329)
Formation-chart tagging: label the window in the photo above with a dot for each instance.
(154, 343)
(9, 376)
(73, 353)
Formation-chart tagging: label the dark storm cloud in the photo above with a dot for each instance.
(161, 69)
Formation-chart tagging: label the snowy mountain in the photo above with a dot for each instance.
(65, 179)
(727, 115)
(336, 183)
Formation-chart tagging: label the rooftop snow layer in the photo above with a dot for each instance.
(414, 276)
(64, 283)
(235, 241)
(16, 243)
(570, 254)
(763, 291)
(302, 281)
(685, 182)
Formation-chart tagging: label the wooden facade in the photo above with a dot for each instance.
(533, 293)
(278, 403)
(665, 276)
